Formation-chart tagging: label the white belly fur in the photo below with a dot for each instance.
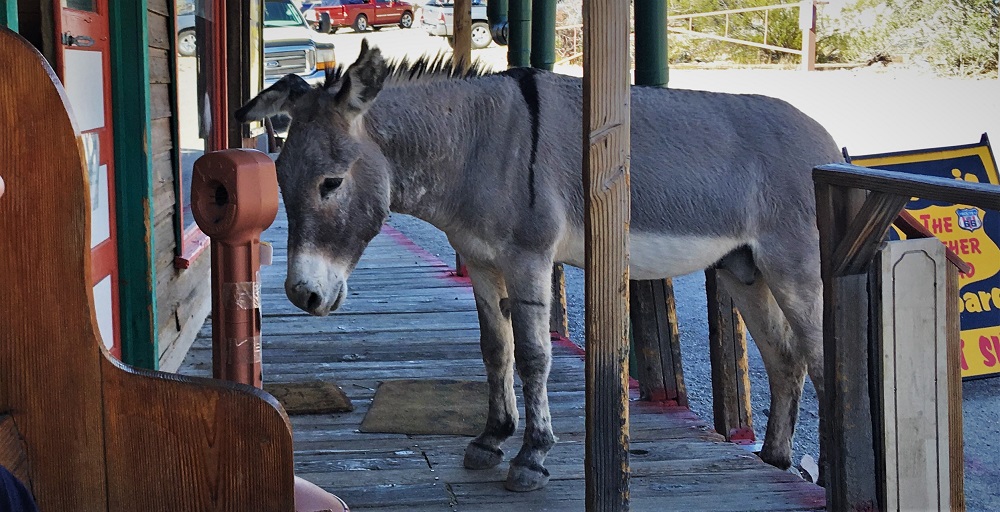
(656, 256)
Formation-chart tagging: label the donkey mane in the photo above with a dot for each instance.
(425, 69)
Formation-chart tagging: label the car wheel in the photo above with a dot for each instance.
(324, 23)
(481, 37)
(187, 43)
(361, 23)
(406, 21)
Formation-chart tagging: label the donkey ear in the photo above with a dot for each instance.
(362, 81)
(275, 99)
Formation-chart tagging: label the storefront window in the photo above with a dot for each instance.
(198, 72)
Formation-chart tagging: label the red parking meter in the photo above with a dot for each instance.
(234, 197)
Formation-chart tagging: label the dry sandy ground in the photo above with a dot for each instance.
(867, 110)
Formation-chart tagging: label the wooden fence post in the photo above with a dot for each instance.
(559, 318)
(657, 341)
(462, 32)
(727, 342)
(846, 425)
(807, 22)
(606, 100)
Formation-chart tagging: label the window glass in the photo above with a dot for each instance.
(195, 69)
(281, 14)
(81, 5)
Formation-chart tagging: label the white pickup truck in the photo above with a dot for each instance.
(437, 15)
(290, 45)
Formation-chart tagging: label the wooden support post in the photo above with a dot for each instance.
(462, 59)
(807, 22)
(846, 423)
(463, 34)
(657, 341)
(606, 99)
(727, 342)
(559, 319)
(956, 428)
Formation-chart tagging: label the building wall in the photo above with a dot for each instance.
(183, 295)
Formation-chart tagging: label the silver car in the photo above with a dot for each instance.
(437, 16)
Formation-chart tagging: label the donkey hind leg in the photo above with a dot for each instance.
(497, 343)
(799, 292)
(786, 369)
(530, 290)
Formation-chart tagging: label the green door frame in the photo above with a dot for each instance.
(134, 182)
(8, 14)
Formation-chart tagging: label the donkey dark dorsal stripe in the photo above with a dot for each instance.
(529, 90)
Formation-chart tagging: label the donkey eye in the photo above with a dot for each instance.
(329, 185)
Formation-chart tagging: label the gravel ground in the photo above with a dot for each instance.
(868, 111)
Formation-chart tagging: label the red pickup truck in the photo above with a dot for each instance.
(359, 14)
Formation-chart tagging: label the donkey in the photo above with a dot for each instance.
(494, 160)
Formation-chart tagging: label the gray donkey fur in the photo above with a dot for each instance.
(494, 161)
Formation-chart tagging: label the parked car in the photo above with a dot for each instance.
(437, 16)
(330, 15)
(290, 45)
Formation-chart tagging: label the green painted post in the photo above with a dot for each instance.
(651, 42)
(8, 14)
(519, 44)
(134, 182)
(496, 16)
(543, 34)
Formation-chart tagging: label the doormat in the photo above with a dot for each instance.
(310, 397)
(441, 406)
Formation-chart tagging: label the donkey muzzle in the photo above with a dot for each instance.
(314, 285)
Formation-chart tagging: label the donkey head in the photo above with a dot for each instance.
(334, 180)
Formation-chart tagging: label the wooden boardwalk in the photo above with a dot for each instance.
(409, 317)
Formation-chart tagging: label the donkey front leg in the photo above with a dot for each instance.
(497, 344)
(529, 285)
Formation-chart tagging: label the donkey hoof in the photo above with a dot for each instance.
(481, 456)
(780, 461)
(526, 478)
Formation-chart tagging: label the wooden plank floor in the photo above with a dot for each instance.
(407, 316)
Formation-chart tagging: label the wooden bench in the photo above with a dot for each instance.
(80, 429)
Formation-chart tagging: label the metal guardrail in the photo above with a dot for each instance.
(571, 35)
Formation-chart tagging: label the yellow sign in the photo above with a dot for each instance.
(970, 232)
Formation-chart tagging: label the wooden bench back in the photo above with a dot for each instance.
(97, 434)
